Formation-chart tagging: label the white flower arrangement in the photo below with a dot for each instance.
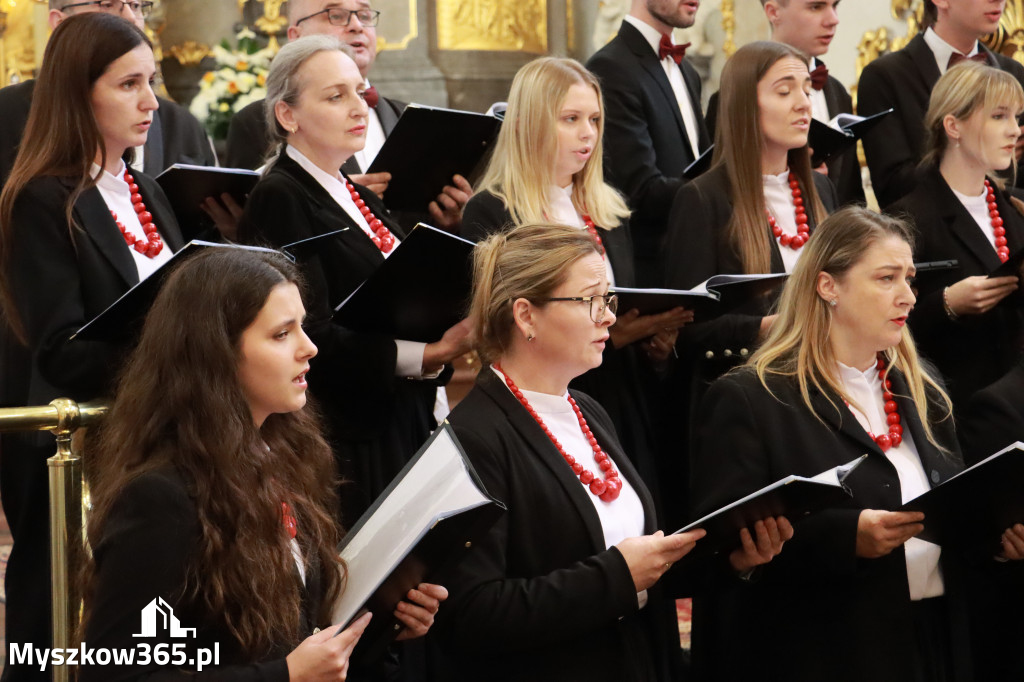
(238, 79)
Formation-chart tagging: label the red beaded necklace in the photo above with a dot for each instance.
(803, 231)
(290, 523)
(382, 236)
(592, 229)
(892, 412)
(153, 244)
(1002, 250)
(608, 489)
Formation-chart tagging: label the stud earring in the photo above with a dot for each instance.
(833, 302)
(530, 337)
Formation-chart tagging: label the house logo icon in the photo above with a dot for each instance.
(159, 616)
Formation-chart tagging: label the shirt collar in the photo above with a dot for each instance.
(650, 34)
(943, 50)
(325, 179)
(109, 181)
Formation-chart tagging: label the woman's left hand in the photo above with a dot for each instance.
(1013, 543)
(417, 613)
(225, 213)
(661, 345)
(631, 326)
(771, 534)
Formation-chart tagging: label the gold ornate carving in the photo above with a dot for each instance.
(403, 42)
(272, 23)
(495, 25)
(873, 44)
(19, 43)
(190, 53)
(729, 26)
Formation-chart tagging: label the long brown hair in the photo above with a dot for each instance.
(179, 404)
(61, 137)
(798, 345)
(738, 144)
(521, 170)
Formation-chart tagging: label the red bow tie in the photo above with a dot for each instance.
(666, 49)
(371, 97)
(819, 76)
(956, 58)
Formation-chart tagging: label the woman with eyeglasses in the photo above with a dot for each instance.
(566, 585)
(78, 228)
(548, 168)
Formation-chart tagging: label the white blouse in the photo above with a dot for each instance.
(978, 208)
(865, 389)
(778, 198)
(118, 199)
(564, 212)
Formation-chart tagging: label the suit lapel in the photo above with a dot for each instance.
(842, 420)
(388, 114)
(153, 164)
(937, 466)
(960, 223)
(94, 217)
(924, 60)
(649, 62)
(832, 97)
(351, 167)
(543, 449)
(164, 219)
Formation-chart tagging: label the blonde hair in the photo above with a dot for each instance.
(529, 261)
(962, 91)
(798, 344)
(738, 141)
(521, 171)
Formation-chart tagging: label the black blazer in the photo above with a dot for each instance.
(646, 145)
(844, 169)
(993, 417)
(541, 587)
(975, 350)
(175, 136)
(61, 279)
(142, 556)
(816, 612)
(249, 140)
(697, 248)
(904, 79)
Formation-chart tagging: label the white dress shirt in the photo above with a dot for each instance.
(943, 50)
(375, 138)
(620, 519)
(675, 79)
(778, 197)
(865, 390)
(819, 105)
(564, 212)
(118, 199)
(410, 353)
(978, 208)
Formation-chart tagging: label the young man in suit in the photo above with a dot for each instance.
(174, 137)
(247, 135)
(654, 125)
(904, 80)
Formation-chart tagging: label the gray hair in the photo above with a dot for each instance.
(283, 83)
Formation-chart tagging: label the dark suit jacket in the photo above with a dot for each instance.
(376, 420)
(903, 79)
(248, 140)
(993, 417)
(541, 587)
(817, 612)
(175, 136)
(697, 248)
(844, 169)
(646, 146)
(976, 350)
(144, 551)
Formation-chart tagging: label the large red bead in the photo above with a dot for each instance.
(597, 486)
(884, 442)
(586, 477)
(577, 468)
(145, 217)
(801, 219)
(997, 221)
(1000, 241)
(892, 418)
(895, 439)
(895, 428)
(785, 240)
(605, 464)
(890, 406)
(140, 246)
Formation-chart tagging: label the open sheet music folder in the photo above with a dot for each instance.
(793, 497)
(423, 524)
(974, 507)
(187, 186)
(840, 134)
(715, 296)
(420, 291)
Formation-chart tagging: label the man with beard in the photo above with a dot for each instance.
(655, 128)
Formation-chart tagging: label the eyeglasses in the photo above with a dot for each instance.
(598, 304)
(139, 9)
(343, 17)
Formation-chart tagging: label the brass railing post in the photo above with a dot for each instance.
(65, 529)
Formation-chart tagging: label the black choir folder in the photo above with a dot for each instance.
(187, 186)
(709, 299)
(123, 318)
(426, 148)
(974, 507)
(830, 139)
(417, 530)
(420, 291)
(793, 497)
